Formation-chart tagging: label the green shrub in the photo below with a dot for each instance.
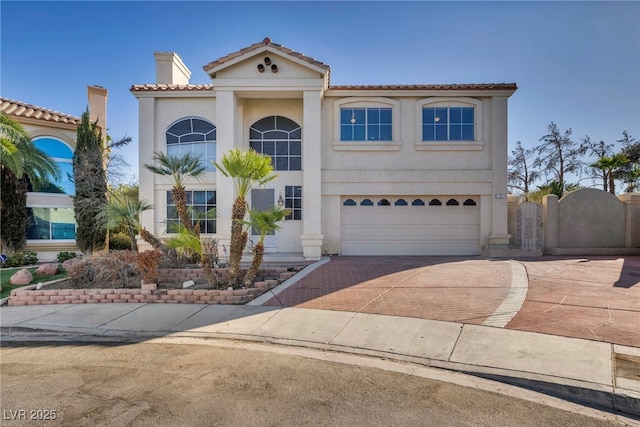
(20, 258)
(63, 256)
(119, 242)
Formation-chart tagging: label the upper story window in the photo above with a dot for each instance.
(448, 124)
(194, 135)
(62, 154)
(453, 123)
(279, 138)
(366, 124)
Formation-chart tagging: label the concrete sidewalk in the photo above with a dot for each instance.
(595, 373)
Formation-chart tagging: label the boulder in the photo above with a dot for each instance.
(22, 277)
(188, 284)
(68, 263)
(47, 269)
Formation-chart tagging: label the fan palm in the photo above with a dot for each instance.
(19, 156)
(187, 243)
(246, 169)
(265, 222)
(611, 166)
(122, 211)
(180, 168)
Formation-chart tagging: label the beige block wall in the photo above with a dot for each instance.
(591, 218)
(590, 221)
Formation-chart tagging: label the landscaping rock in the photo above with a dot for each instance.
(70, 262)
(188, 284)
(47, 269)
(22, 277)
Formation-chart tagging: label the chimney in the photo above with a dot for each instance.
(98, 107)
(170, 69)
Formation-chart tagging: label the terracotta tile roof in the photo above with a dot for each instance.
(21, 109)
(266, 42)
(169, 88)
(443, 87)
(464, 86)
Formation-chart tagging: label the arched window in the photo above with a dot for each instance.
(194, 135)
(417, 202)
(281, 139)
(349, 202)
(452, 202)
(469, 202)
(366, 202)
(383, 202)
(401, 202)
(62, 154)
(435, 202)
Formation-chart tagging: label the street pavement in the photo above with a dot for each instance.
(567, 327)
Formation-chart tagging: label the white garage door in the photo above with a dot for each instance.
(430, 225)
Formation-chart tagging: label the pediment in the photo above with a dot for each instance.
(266, 60)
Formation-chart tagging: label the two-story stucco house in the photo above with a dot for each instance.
(413, 169)
(52, 225)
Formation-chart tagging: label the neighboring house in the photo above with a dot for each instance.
(52, 226)
(365, 170)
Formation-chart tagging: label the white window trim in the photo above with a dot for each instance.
(476, 145)
(363, 102)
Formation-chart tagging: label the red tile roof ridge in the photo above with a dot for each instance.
(22, 109)
(265, 42)
(162, 87)
(454, 86)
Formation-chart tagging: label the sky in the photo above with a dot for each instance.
(575, 63)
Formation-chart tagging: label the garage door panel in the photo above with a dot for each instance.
(382, 247)
(386, 215)
(410, 230)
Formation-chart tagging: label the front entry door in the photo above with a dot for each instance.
(262, 199)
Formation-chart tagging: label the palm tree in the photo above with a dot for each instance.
(611, 166)
(122, 211)
(246, 169)
(180, 169)
(187, 243)
(265, 222)
(19, 156)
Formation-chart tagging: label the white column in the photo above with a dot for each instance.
(226, 108)
(499, 212)
(311, 181)
(146, 147)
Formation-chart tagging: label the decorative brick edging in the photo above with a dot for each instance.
(32, 296)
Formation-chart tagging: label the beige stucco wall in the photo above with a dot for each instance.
(287, 70)
(591, 218)
(590, 221)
